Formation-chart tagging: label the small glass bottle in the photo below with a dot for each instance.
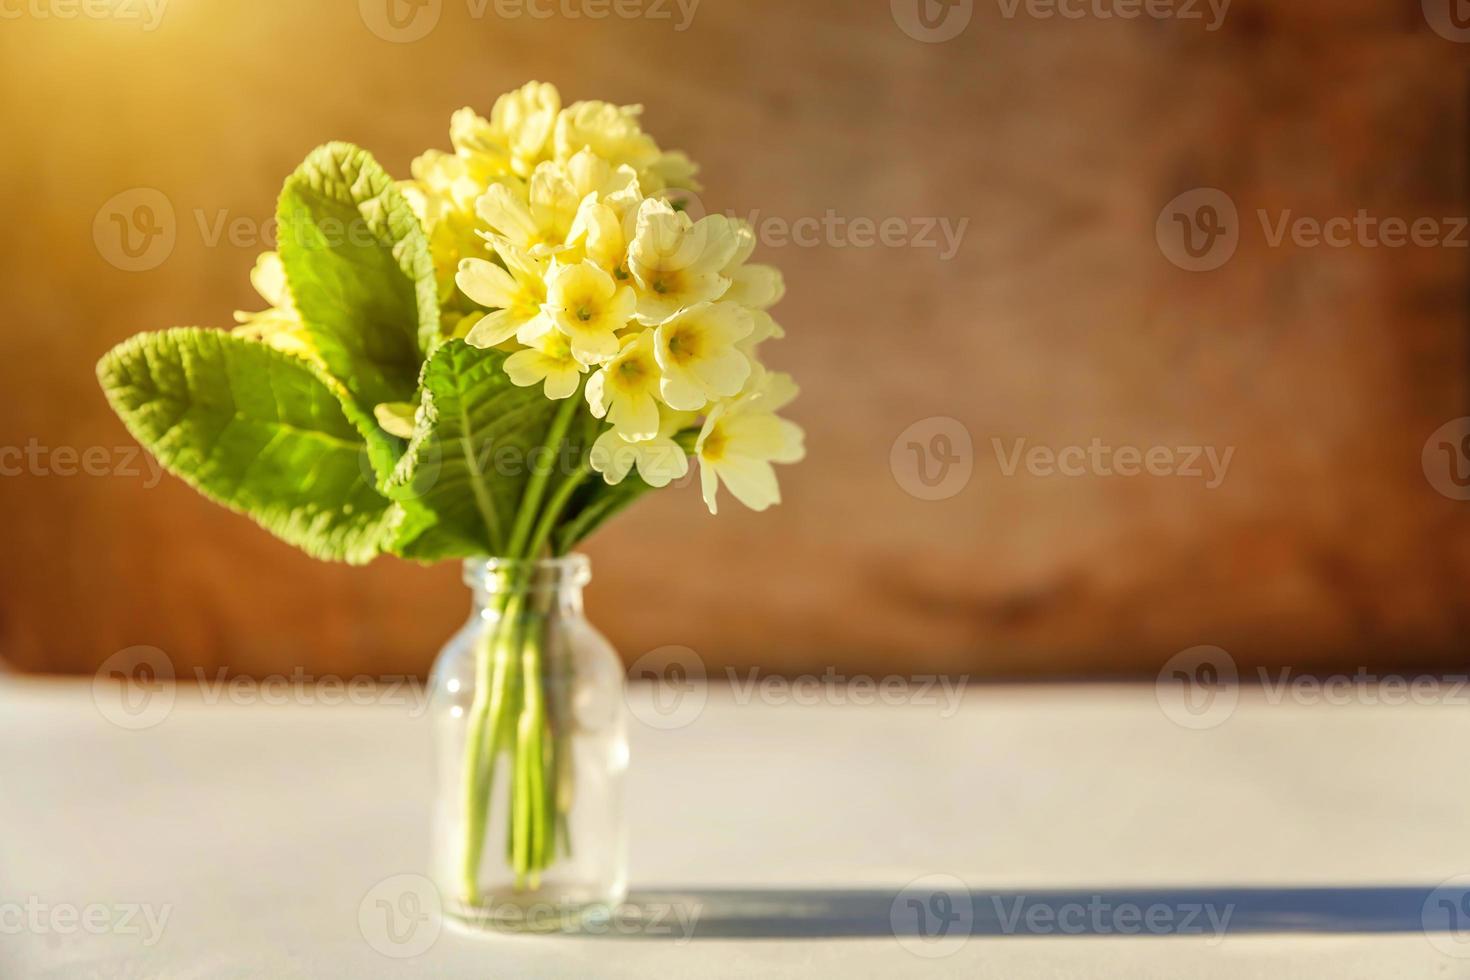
(531, 747)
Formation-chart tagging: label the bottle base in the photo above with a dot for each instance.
(547, 909)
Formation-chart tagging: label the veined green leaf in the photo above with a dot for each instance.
(254, 429)
(475, 442)
(359, 270)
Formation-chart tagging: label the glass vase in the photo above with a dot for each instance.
(531, 748)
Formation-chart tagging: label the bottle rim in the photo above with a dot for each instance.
(521, 574)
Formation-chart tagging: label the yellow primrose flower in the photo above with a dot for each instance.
(396, 418)
(624, 390)
(598, 233)
(515, 138)
(775, 391)
(742, 438)
(660, 460)
(526, 118)
(763, 328)
(615, 134)
(446, 179)
(612, 132)
(607, 199)
(677, 262)
(442, 195)
(476, 143)
(515, 293)
(599, 275)
(279, 326)
(588, 173)
(697, 353)
(548, 359)
(609, 206)
(756, 286)
(672, 169)
(268, 277)
(534, 217)
(549, 159)
(588, 305)
(457, 326)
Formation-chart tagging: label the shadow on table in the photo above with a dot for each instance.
(936, 912)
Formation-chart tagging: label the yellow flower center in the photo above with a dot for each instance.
(714, 444)
(684, 345)
(668, 282)
(559, 347)
(631, 372)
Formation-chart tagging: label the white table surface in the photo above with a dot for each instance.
(265, 833)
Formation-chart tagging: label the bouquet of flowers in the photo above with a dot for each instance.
(488, 360)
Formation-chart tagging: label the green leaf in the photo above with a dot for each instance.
(359, 270)
(254, 429)
(461, 480)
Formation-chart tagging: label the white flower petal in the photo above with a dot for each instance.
(591, 346)
(269, 279)
(757, 286)
(533, 331)
(612, 456)
(759, 435)
(723, 374)
(709, 484)
(493, 328)
(508, 216)
(396, 418)
(596, 392)
(661, 461)
(752, 481)
(526, 368)
(561, 381)
(486, 283)
(635, 418)
(680, 392)
(744, 244)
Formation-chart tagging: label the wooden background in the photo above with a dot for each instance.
(1058, 320)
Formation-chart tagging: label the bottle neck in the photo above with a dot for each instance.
(548, 584)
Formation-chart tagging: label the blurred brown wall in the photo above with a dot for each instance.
(1059, 320)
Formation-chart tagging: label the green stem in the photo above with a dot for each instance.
(557, 504)
(483, 736)
(510, 701)
(472, 779)
(536, 486)
(530, 816)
